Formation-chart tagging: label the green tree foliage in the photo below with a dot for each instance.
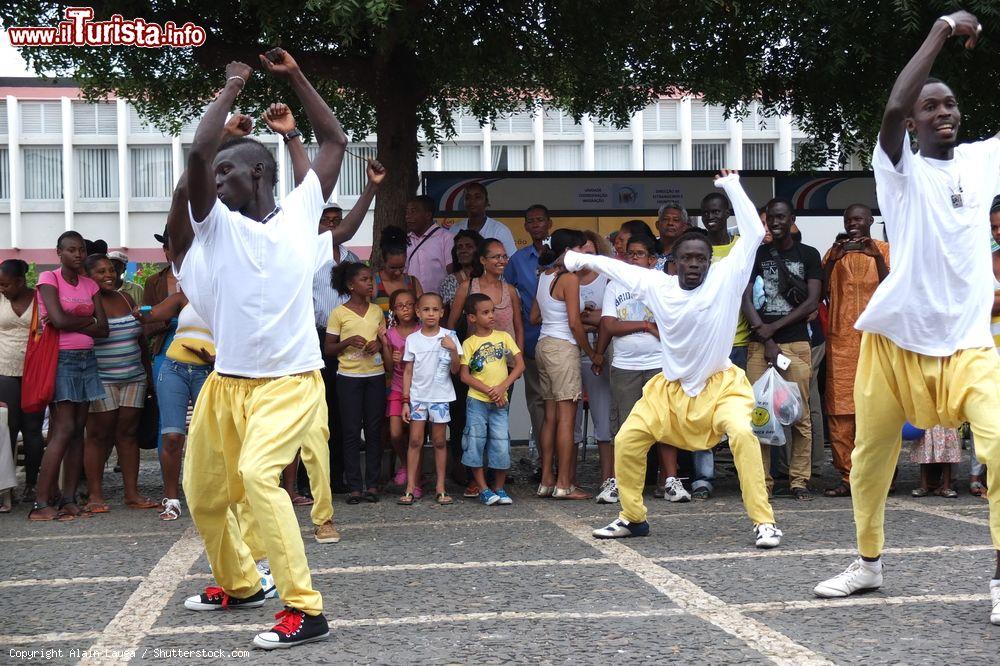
(400, 68)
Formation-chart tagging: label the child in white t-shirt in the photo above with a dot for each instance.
(431, 356)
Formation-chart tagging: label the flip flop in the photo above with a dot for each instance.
(919, 492)
(977, 488)
(96, 507)
(59, 516)
(301, 500)
(406, 500)
(443, 499)
(840, 490)
(950, 493)
(144, 503)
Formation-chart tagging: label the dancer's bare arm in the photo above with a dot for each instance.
(910, 81)
(352, 221)
(279, 119)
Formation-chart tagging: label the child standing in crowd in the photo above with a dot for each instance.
(404, 310)
(484, 370)
(557, 309)
(935, 452)
(393, 275)
(431, 356)
(355, 334)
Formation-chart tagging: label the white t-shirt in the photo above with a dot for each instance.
(431, 380)
(697, 325)
(491, 229)
(938, 295)
(258, 291)
(636, 351)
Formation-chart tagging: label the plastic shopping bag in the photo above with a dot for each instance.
(779, 403)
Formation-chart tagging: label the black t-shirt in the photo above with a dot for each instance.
(802, 261)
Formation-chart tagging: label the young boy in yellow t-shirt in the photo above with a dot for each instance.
(484, 370)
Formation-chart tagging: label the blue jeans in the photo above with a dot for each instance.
(486, 433)
(177, 385)
(704, 461)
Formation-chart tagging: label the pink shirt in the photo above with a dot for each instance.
(76, 300)
(428, 256)
(398, 343)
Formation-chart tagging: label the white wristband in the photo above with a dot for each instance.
(244, 81)
(950, 21)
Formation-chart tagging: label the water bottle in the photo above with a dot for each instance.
(532, 448)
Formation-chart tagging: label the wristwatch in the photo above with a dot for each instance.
(288, 136)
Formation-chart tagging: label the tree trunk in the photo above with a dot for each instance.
(396, 125)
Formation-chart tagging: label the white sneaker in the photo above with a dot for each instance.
(673, 490)
(767, 535)
(995, 613)
(266, 579)
(855, 578)
(609, 492)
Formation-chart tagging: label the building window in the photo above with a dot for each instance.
(353, 176)
(99, 118)
(138, 125)
(3, 117)
(659, 156)
(661, 116)
(4, 174)
(43, 173)
(465, 123)
(512, 156)
(708, 117)
(41, 118)
(311, 150)
(758, 156)
(522, 122)
(709, 156)
(557, 121)
(758, 121)
(96, 173)
(610, 156)
(151, 170)
(607, 127)
(563, 156)
(462, 157)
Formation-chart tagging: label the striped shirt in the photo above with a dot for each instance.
(119, 359)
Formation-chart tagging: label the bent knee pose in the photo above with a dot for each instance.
(700, 395)
(927, 355)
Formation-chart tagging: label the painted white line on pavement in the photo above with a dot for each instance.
(866, 600)
(143, 608)
(53, 637)
(931, 510)
(778, 552)
(426, 619)
(77, 537)
(774, 645)
(655, 516)
(428, 566)
(459, 522)
(80, 580)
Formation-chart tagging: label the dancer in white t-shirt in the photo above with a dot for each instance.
(700, 395)
(927, 356)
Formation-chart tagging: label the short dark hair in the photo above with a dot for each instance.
(256, 150)
(392, 242)
(696, 234)
(858, 205)
(67, 235)
(343, 273)
(473, 301)
(476, 185)
(560, 241)
(780, 200)
(15, 268)
(541, 207)
(432, 294)
(647, 241)
(425, 202)
(995, 206)
(716, 195)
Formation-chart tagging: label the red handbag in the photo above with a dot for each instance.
(38, 384)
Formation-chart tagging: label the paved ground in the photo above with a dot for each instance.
(527, 583)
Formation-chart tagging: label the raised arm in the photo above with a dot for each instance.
(279, 119)
(910, 81)
(747, 219)
(636, 279)
(330, 135)
(204, 147)
(352, 221)
(178, 224)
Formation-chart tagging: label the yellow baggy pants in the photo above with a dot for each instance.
(665, 413)
(243, 433)
(316, 457)
(893, 386)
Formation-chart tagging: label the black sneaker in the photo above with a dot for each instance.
(294, 628)
(215, 598)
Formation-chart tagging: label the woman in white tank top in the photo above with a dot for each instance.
(557, 309)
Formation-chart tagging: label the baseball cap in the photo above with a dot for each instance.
(164, 238)
(333, 205)
(115, 255)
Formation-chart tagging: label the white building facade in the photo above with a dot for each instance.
(98, 168)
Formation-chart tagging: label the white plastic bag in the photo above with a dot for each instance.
(779, 403)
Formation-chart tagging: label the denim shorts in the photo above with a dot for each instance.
(486, 431)
(76, 377)
(178, 385)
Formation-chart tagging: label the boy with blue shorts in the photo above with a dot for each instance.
(484, 370)
(431, 356)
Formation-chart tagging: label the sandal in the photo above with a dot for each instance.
(801, 494)
(352, 499)
(950, 493)
(443, 499)
(543, 491)
(142, 503)
(472, 491)
(977, 488)
(171, 509)
(96, 507)
(406, 500)
(301, 500)
(839, 490)
(57, 516)
(920, 492)
(571, 493)
(77, 513)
